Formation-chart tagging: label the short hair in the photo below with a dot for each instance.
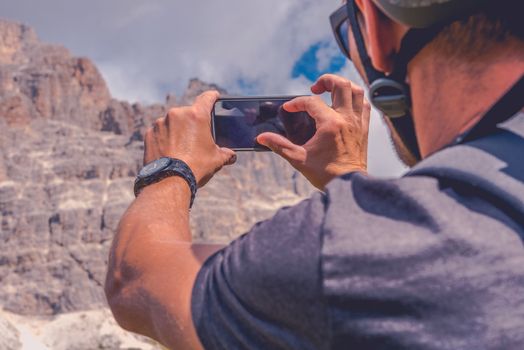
(471, 37)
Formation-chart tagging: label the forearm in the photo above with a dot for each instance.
(158, 218)
(161, 208)
(151, 253)
(152, 264)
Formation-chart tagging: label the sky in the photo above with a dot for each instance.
(146, 49)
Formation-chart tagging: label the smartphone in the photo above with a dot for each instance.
(237, 121)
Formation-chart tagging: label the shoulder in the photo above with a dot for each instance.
(257, 285)
(285, 244)
(283, 247)
(403, 223)
(356, 198)
(400, 249)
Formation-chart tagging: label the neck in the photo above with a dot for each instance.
(449, 100)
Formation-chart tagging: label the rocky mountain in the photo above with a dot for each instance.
(69, 153)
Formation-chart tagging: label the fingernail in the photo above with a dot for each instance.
(257, 141)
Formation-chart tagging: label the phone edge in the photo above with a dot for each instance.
(246, 98)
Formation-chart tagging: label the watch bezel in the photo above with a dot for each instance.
(145, 172)
(174, 167)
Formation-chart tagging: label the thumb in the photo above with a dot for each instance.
(229, 157)
(282, 146)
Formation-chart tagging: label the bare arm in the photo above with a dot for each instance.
(153, 264)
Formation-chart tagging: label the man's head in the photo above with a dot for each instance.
(467, 29)
(456, 33)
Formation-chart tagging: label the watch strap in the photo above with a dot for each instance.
(176, 167)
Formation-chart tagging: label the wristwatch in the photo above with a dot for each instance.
(161, 168)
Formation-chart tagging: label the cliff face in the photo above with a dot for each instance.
(68, 157)
(44, 81)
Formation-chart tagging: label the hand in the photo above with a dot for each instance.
(340, 143)
(185, 134)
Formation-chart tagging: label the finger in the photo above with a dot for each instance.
(160, 123)
(366, 113)
(358, 99)
(325, 83)
(313, 105)
(282, 146)
(340, 89)
(206, 100)
(229, 156)
(166, 117)
(149, 146)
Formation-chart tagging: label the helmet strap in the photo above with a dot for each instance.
(371, 73)
(390, 94)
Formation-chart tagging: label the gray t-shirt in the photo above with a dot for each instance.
(433, 260)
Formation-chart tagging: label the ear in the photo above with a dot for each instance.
(382, 35)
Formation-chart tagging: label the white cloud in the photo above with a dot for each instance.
(126, 83)
(325, 55)
(147, 48)
(157, 45)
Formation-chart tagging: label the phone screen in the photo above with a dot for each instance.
(237, 122)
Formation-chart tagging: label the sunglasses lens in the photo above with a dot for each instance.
(343, 35)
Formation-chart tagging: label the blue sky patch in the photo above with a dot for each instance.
(320, 58)
(247, 86)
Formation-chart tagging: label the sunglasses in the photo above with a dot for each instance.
(347, 15)
(340, 26)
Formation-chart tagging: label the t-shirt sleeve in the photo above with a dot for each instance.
(264, 290)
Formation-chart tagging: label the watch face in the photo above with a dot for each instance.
(154, 167)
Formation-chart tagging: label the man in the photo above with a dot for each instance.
(433, 260)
